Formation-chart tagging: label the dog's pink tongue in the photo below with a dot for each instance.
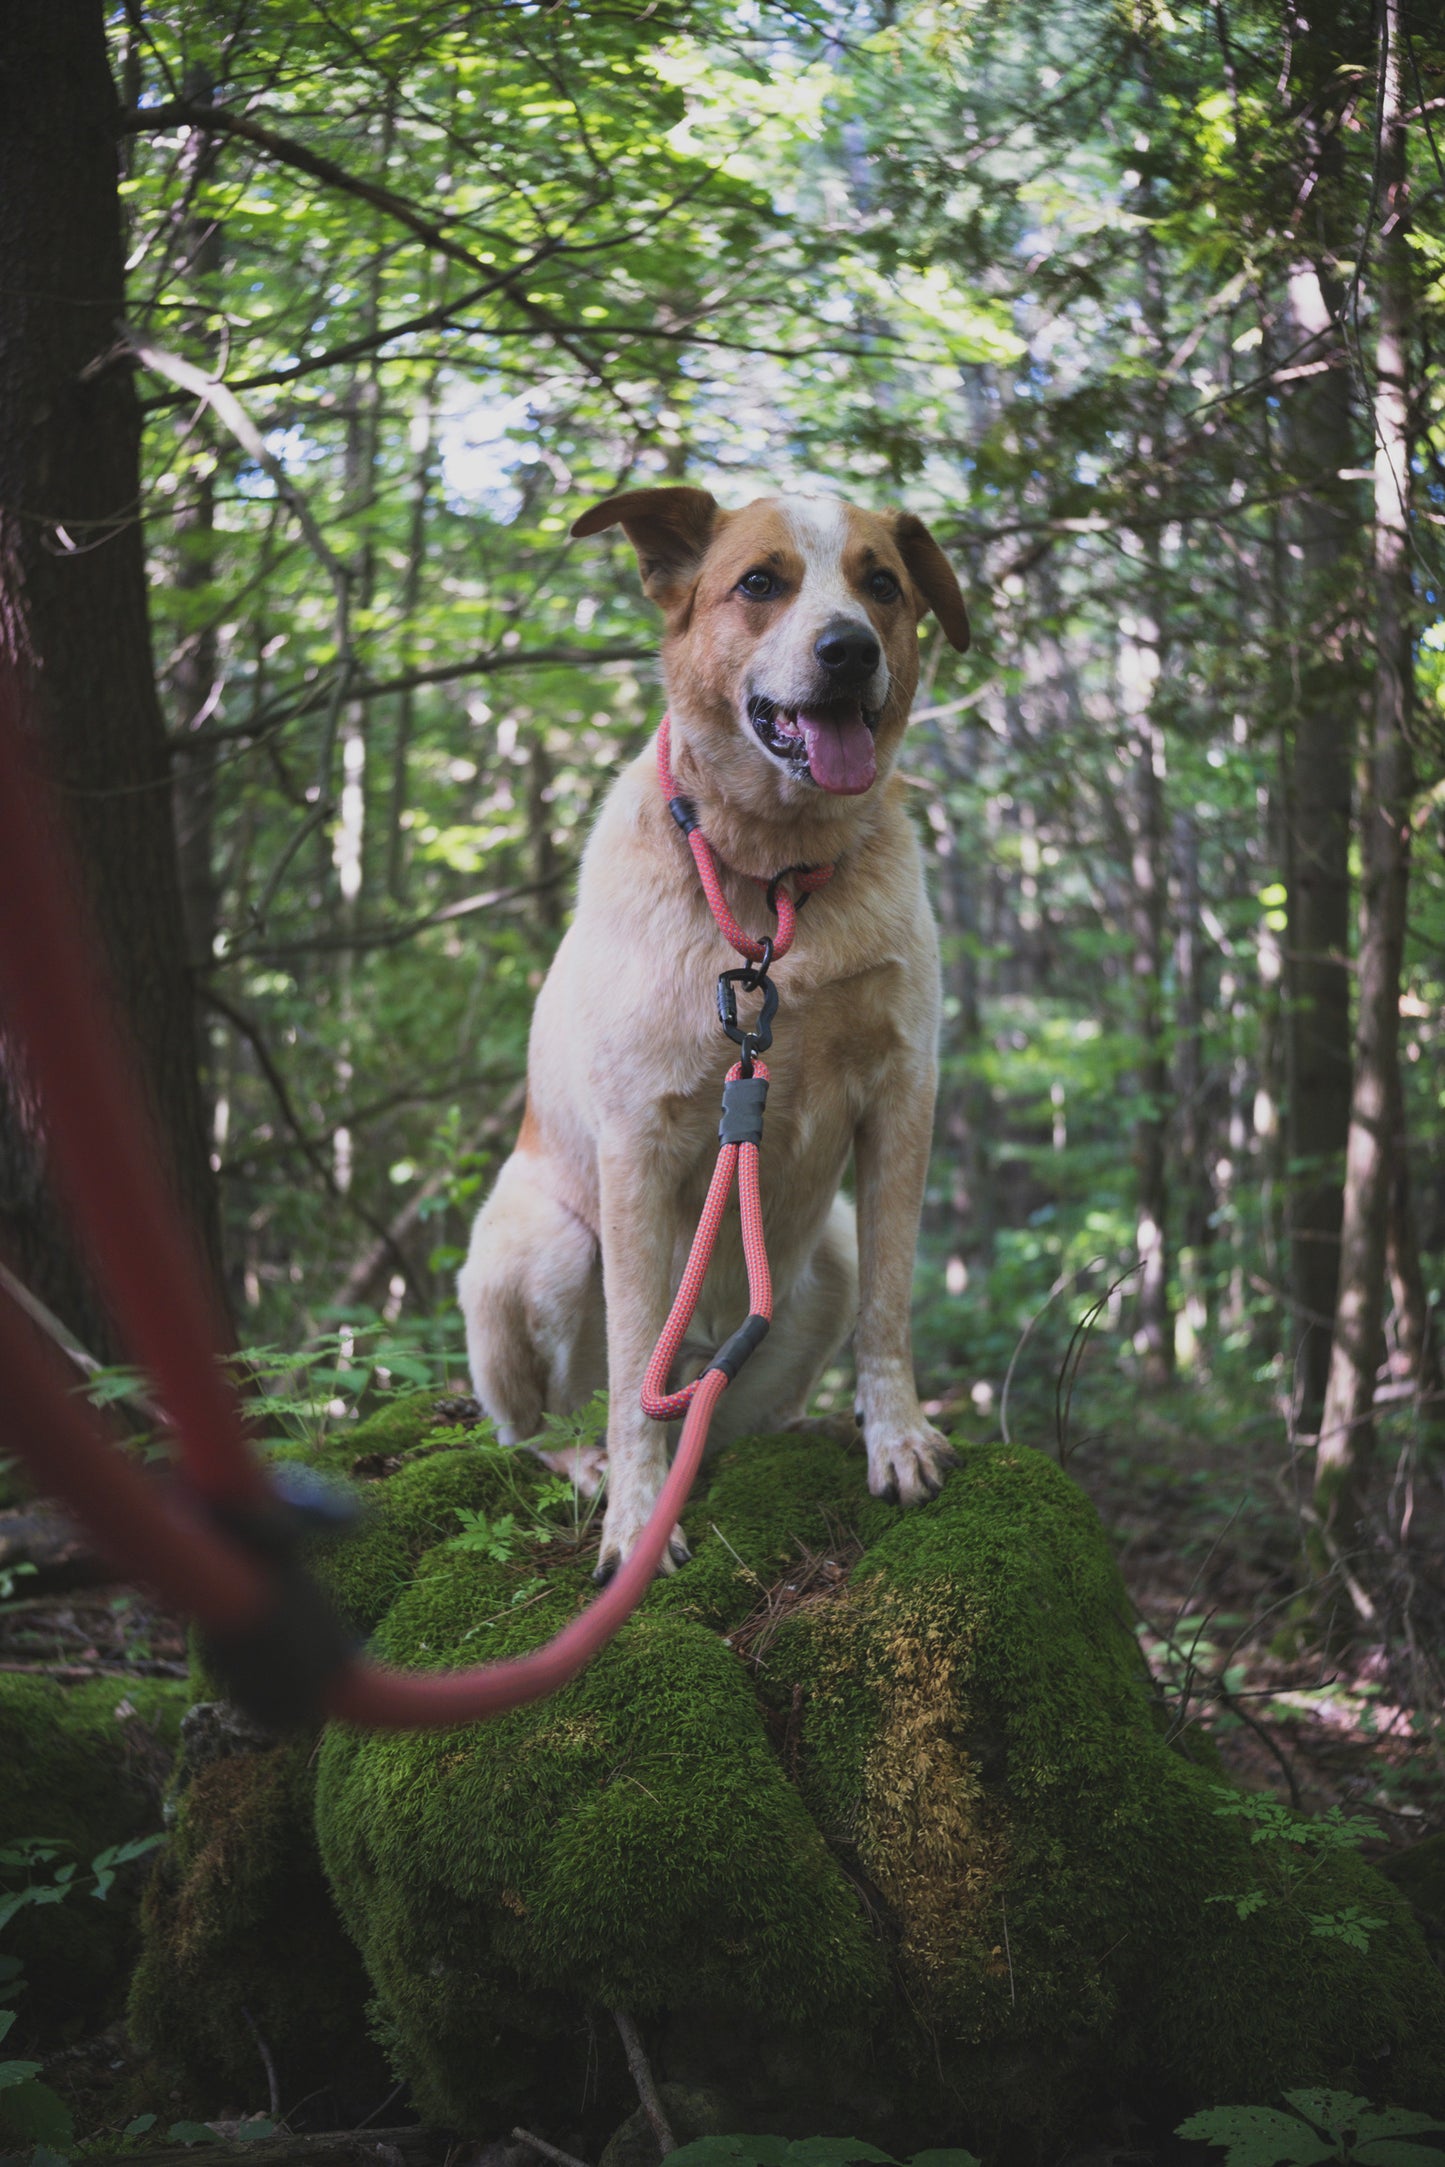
(841, 753)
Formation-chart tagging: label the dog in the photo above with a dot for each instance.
(790, 655)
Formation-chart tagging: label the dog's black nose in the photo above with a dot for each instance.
(848, 648)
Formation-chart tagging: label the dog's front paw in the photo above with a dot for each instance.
(622, 1531)
(907, 1465)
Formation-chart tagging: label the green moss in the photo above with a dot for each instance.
(977, 1732)
(1419, 1875)
(934, 1850)
(560, 1856)
(241, 1939)
(85, 1765)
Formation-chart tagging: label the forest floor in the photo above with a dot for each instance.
(1202, 1507)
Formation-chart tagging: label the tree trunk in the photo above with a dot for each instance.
(1415, 1334)
(73, 605)
(196, 676)
(1319, 427)
(1194, 1183)
(1346, 1431)
(1154, 1337)
(1143, 662)
(964, 1098)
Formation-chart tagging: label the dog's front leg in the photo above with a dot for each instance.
(638, 1212)
(907, 1457)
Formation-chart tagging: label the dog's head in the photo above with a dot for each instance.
(792, 630)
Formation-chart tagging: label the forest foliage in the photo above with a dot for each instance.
(1098, 289)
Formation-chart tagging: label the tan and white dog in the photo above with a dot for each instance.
(791, 660)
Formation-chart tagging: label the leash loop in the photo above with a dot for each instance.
(738, 1132)
(780, 903)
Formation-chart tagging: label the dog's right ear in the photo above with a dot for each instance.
(669, 528)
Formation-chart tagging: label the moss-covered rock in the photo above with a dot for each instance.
(868, 1817)
(1419, 1875)
(85, 1766)
(920, 1860)
(242, 1944)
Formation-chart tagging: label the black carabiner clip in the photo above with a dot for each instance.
(760, 1037)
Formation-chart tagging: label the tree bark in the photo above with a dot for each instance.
(1319, 428)
(1154, 1336)
(1416, 1338)
(1347, 1430)
(195, 678)
(73, 612)
(1143, 663)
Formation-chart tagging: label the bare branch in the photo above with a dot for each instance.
(446, 673)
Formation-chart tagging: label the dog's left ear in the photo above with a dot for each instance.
(933, 576)
(669, 528)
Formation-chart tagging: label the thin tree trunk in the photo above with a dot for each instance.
(423, 444)
(1415, 1332)
(964, 1102)
(1143, 657)
(1319, 426)
(1347, 1430)
(195, 679)
(1194, 1184)
(73, 606)
(1154, 1337)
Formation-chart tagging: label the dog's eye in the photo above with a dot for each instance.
(883, 587)
(758, 585)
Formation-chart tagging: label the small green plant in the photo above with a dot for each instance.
(9, 1574)
(550, 1511)
(298, 1395)
(30, 2111)
(1322, 2126)
(804, 2152)
(499, 1540)
(1296, 1848)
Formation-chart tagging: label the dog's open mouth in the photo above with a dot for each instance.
(830, 745)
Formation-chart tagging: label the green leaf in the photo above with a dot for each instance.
(258, 2125)
(32, 2110)
(1334, 2112)
(12, 2073)
(139, 2126)
(192, 2133)
(732, 2152)
(1257, 2137)
(1395, 2122)
(944, 2158)
(835, 2152)
(1350, 1926)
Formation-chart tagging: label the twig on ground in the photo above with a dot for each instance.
(641, 2069)
(394, 2094)
(548, 2151)
(267, 2063)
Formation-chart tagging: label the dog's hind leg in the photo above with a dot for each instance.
(811, 1320)
(531, 1300)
